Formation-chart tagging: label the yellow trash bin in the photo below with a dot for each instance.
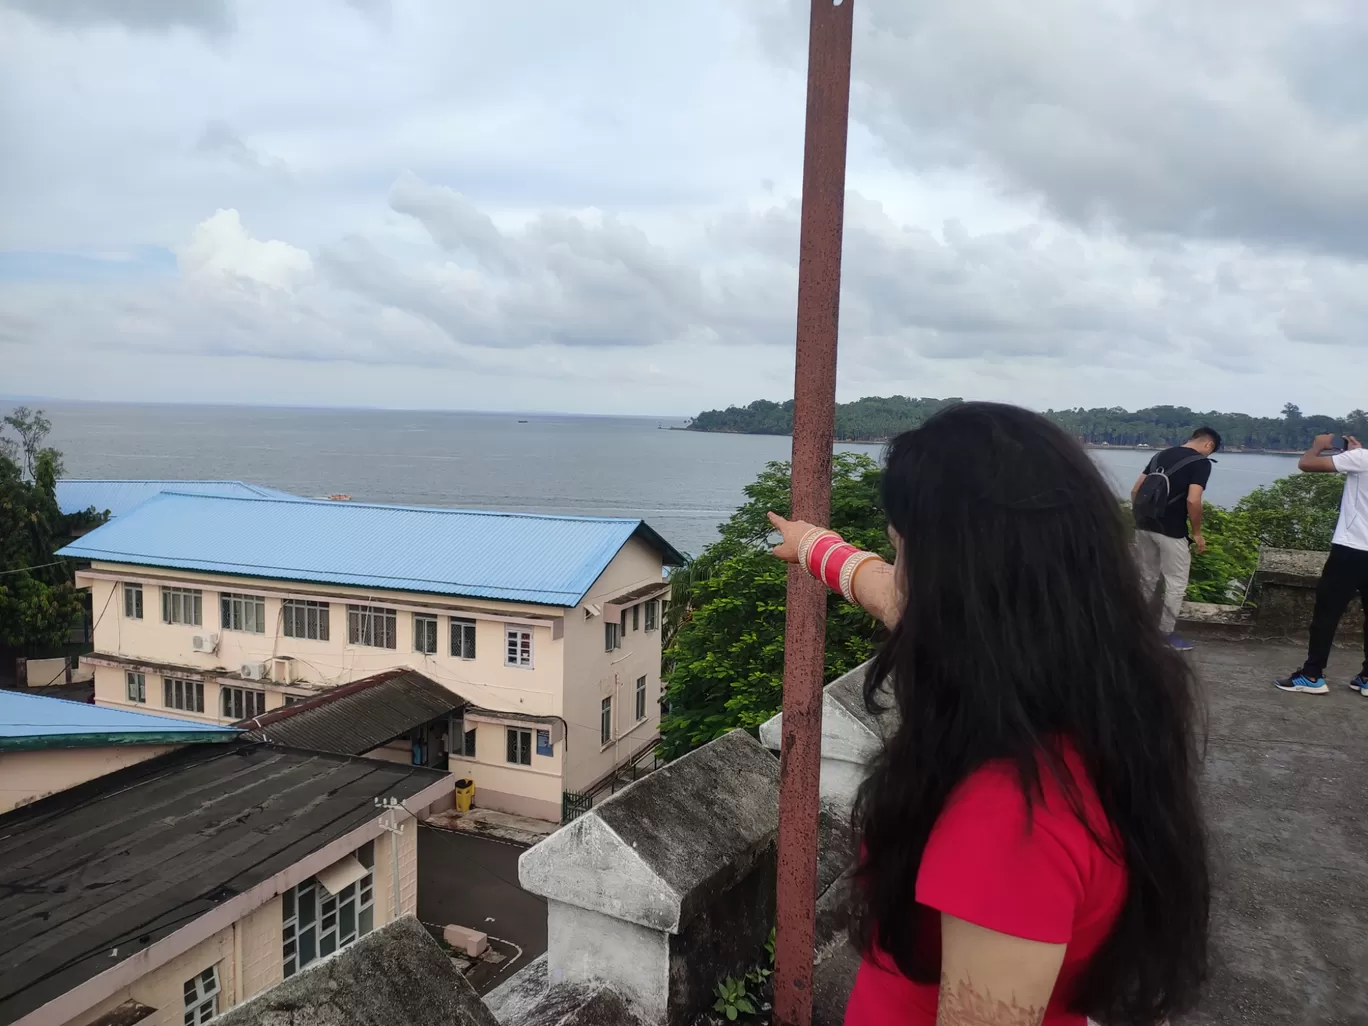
(465, 794)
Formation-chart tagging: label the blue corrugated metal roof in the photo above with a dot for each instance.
(517, 557)
(75, 495)
(35, 721)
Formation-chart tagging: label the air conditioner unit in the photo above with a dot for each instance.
(282, 670)
(207, 643)
(253, 671)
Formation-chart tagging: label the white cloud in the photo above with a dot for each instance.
(593, 207)
(221, 250)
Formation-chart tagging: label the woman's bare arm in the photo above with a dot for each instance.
(994, 979)
(874, 585)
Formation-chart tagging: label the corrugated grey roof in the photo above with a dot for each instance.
(94, 874)
(354, 718)
(516, 557)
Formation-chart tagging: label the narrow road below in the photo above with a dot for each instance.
(473, 881)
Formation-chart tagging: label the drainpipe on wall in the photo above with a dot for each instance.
(814, 414)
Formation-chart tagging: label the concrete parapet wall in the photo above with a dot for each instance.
(668, 886)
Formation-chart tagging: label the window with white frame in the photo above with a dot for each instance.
(606, 721)
(636, 617)
(243, 613)
(622, 633)
(183, 605)
(641, 699)
(518, 650)
(612, 637)
(519, 746)
(242, 703)
(425, 633)
(201, 997)
(315, 923)
(137, 686)
(652, 614)
(468, 743)
(462, 638)
(186, 695)
(133, 606)
(373, 626)
(304, 619)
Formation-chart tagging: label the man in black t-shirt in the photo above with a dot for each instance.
(1161, 538)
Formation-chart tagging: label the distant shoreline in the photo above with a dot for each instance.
(885, 441)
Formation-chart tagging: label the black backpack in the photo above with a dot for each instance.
(1153, 498)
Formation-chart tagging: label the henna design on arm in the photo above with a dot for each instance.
(962, 1004)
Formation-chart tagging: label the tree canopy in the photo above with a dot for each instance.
(724, 663)
(39, 603)
(878, 418)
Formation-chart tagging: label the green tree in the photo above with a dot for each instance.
(725, 659)
(38, 601)
(32, 427)
(1296, 512)
(1222, 573)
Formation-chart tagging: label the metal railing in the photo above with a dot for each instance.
(577, 803)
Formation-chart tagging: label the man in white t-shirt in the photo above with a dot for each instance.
(1346, 571)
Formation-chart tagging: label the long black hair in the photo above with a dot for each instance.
(1024, 625)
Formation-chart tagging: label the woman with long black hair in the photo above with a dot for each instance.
(1032, 845)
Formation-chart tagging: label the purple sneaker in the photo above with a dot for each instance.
(1179, 644)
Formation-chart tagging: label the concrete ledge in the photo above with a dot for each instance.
(396, 976)
(662, 890)
(659, 850)
(851, 735)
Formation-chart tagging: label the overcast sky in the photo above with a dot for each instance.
(592, 206)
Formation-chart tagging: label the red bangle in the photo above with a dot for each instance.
(836, 559)
(818, 552)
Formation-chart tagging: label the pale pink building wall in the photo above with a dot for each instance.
(27, 776)
(601, 674)
(248, 953)
(570, 675)
(485, 680)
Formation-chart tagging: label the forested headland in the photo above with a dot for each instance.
(879, 418)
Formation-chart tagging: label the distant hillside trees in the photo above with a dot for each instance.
(877, 418)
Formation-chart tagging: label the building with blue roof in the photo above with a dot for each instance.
(50, 744)
(117, 497)
(224, 608)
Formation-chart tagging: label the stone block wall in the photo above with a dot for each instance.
(1285, 593)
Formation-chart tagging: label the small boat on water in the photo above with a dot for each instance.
(522, 422)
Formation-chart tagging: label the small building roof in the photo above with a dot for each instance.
(514, 557)
(97, 873)
(354, 718)
(120, 496)
(29, 722)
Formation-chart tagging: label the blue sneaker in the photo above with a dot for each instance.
(1179, 644)
(1301, 682)
(1360, 684)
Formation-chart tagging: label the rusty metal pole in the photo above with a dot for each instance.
(814, 415)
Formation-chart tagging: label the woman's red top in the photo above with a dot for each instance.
(1051, 883)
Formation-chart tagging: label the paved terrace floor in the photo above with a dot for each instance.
(1286, 790)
